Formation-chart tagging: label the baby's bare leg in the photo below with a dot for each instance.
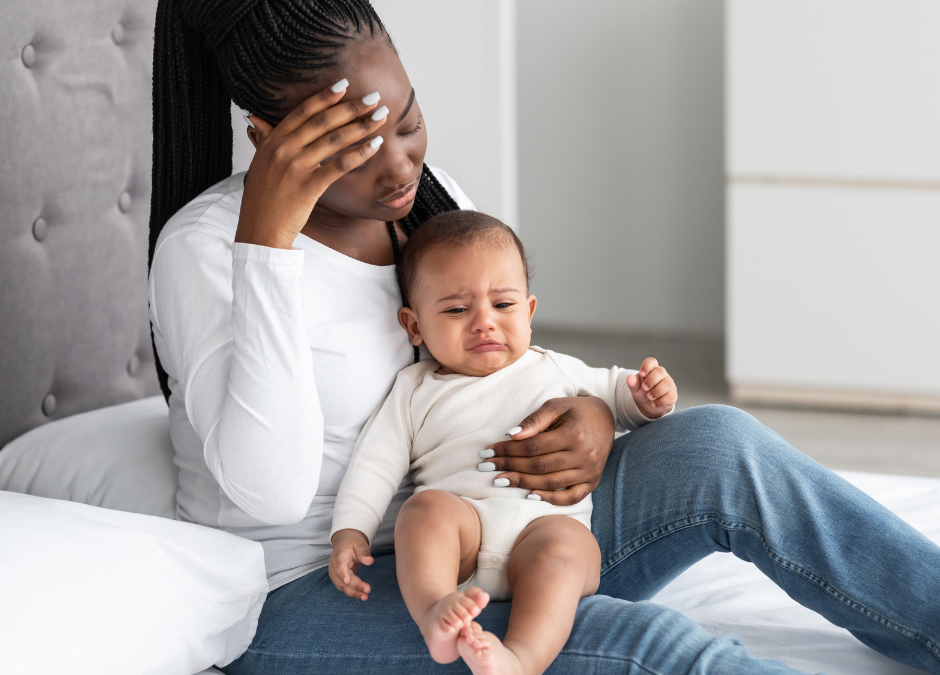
(556, 561)
(437, 539)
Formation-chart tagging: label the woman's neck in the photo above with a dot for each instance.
(362, 239)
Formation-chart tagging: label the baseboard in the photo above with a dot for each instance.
(833, 399)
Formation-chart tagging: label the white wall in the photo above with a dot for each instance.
(834, 203)
(460, 57)
(621, 162)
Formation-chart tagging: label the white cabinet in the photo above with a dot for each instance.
(833, 211)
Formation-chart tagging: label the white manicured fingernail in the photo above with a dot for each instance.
(339, 86)
(514, 431)
(501, 482)
(486, 466)
(248, 120)
(380, 114)
(372, 98)
(377, 141)
(486, 454)
(534, 498)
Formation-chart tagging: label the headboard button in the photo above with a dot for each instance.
(124, 201)
(39, 229)
(48, 405)
(28, 55)
(117, 33)
(133, 366)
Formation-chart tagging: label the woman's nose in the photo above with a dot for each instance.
(398, 166)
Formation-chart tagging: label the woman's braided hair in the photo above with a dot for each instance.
(208, 53)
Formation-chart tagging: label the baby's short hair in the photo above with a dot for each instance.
(453, 229)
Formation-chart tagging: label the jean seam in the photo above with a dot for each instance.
(692, 521)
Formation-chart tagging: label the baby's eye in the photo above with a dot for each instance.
(455, 310)
(503, 305)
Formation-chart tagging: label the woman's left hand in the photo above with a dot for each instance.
(561, 450)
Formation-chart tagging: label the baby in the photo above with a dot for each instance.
(464, 538)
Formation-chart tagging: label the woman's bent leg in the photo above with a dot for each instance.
(308, 627)
(714, 479)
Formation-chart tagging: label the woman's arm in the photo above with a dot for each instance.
(231, 322)
(229, 326)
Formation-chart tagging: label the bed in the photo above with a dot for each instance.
(84, 434)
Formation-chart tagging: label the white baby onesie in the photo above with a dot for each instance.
(436, 425)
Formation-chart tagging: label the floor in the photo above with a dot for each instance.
(905, 445)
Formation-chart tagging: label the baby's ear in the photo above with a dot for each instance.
(409, 321)
(531, 301)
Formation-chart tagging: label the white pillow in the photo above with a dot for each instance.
(92, 591)
(118, 457)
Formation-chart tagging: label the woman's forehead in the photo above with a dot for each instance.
(369, 65)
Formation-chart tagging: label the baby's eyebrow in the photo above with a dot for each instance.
(466, 294)
(456, 296)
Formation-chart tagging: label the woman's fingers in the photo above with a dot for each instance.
(330, 146)
(337, 127)
(548, 482)
(572, 495)
(536, 465)
(346, 162)
(314, 105)
(544, 443)
(544, 418)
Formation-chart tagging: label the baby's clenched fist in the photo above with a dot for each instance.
(653, 389)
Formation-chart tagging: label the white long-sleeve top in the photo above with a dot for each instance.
(436, 425)
(276, 359)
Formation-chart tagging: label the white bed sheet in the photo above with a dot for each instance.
(726, 595)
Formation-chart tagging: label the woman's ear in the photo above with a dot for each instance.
(409, 321)
(531, 302)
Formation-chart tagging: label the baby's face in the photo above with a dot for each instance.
(471, 309)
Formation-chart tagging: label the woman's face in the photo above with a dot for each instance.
(384, 187)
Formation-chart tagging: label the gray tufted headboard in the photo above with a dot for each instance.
(74, 206)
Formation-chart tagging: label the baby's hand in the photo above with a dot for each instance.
(350, 549)
(653, 389)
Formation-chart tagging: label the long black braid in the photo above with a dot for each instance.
(208, 53)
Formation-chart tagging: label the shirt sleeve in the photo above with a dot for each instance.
(229, 327)
(379, 462)
(609, 384)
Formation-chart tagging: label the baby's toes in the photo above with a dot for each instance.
(479, 597)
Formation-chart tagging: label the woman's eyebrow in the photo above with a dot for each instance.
(411, 100)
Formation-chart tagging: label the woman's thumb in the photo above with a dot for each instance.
(537, 422)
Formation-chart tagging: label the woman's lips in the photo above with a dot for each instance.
(487, 347)
(403, 201)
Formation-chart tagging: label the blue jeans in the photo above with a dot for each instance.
(698, 481)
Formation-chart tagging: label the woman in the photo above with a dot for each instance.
(273, 306)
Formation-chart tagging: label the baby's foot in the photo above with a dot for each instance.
(442, 623)
(485, 654)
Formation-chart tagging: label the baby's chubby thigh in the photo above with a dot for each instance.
(518, 536)
(437, 529)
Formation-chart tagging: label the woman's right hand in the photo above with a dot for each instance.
(287, 174)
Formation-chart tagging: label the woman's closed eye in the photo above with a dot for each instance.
(362, 167)
(416, 129)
